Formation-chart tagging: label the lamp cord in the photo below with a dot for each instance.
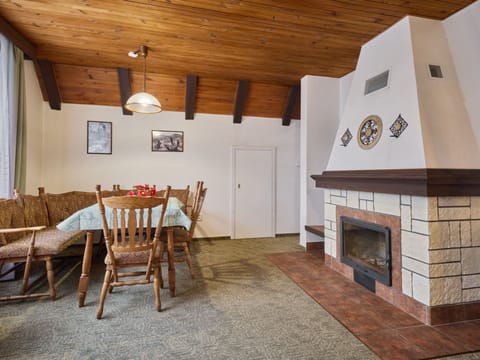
(144, 72)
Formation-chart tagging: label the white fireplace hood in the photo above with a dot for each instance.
(439, 132)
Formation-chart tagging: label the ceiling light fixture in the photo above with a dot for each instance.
(133, 54)
(143, 102)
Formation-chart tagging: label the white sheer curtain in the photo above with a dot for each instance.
(8, 115)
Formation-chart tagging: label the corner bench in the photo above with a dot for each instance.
(28, 232)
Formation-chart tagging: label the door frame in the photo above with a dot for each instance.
(273, 152)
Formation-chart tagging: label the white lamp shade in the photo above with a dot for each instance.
(144, 103)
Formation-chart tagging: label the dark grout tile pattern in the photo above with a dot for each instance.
(388, 331)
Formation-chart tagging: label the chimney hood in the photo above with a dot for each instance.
(421, 88)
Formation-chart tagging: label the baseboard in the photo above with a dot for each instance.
(229, 238)
(213, 238)
(287, 235)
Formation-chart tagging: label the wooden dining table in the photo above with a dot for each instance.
(89, 219)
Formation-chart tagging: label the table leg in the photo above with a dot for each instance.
(171, 261)
(87, 261)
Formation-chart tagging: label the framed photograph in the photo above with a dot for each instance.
(99, 137)
(167, 141)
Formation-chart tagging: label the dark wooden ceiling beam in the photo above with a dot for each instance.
(240, 100)
(45, 67)
(17, 39)
(125, 90)
(293, 93)
(190, 96)
(50, 82)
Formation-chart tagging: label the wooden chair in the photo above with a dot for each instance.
(118, 191)
(183, 237)
(131, 243)
(196, 196)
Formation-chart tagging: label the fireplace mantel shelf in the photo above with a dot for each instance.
(419, 182)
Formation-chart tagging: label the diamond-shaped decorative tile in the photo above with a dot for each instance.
(398, 126)
(346, 137)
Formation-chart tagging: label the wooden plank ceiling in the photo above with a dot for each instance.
(263, 47)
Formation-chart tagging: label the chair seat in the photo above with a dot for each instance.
(50, 241)
(135, 258)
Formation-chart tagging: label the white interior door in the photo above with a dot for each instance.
(253, 192)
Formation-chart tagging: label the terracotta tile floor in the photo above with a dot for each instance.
(386, 330)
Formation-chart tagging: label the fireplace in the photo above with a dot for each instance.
(434, 224)
(365, 247)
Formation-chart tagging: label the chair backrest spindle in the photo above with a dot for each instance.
(197, 206)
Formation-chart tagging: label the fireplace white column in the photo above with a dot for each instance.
(318, 126)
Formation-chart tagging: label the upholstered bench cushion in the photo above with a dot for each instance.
(35, 210)
(50, 241)
(11, 216)
(61, 206)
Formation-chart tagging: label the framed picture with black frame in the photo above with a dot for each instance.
(167, 141)
(99, 137)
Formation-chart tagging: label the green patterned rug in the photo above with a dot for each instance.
(240, 306)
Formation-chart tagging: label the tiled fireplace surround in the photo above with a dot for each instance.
(435, 245)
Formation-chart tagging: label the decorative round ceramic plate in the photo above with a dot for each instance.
(369, 132)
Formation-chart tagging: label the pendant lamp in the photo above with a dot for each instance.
(143, 102)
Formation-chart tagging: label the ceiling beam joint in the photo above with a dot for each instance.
(240, 100)
(50, 82)
(293, 93)
(125, 90)
(190, 96)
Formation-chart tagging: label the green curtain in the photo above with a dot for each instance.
(21, 148)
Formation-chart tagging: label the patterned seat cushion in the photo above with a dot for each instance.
(132, 258)
(50, 241)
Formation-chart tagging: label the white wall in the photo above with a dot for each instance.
(319, 121)
(448, 137)
(345, 85)
(463, 33)
(65, 164)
